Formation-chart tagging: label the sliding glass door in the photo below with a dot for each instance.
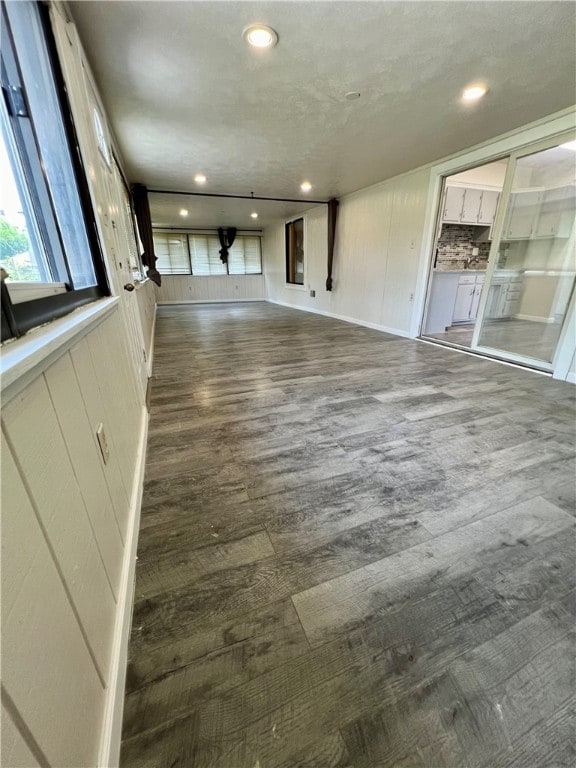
(531, 271)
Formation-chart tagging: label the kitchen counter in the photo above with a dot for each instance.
(458, 271)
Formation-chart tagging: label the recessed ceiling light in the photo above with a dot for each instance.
(305, 186)
(200, 178)
(569, 145)
(183, 212)
(254, 215)
(352, 95)
(474, 92)
(260, 36)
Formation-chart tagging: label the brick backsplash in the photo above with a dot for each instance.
(455, 248)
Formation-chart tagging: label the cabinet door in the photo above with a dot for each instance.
(523, 213)
(463, 304)
(453, 202)
(492, 306)
(475, 302)
(471, 208)
(552, 217)
(488, 206)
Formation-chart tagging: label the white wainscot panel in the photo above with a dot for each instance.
(14, 752)
(183, 288)
(87, 462)
(34, 434)
(47, 669)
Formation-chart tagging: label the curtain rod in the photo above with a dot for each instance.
(199, 229)
(237, 197)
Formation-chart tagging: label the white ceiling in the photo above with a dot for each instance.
(185, 94)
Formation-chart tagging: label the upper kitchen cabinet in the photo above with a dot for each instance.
(469, 205)
(453, 204)
(555, 217)
(540, 213)
(488, 206)
(522, 213)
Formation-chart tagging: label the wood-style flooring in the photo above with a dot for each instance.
(356, 551)
(522, 337)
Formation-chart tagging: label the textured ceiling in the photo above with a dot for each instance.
(185, 93)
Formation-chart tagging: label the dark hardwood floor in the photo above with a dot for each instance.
(356, 551)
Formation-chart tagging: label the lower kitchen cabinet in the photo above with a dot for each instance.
(467, 298)
(504, 295)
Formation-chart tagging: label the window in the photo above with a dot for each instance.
(171, 251)
(179, 253)
(49, 249)
(295, 252)
(205, 255)
(245, 257)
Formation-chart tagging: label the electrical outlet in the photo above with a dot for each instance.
(102, 442)
(313, 293)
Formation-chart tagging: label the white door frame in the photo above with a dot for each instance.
(515, 143)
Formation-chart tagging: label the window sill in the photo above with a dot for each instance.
(22, 360)
(20, 292)
(295, 287)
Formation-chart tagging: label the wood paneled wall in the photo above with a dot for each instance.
(64, 526)
(68, 516)
(184, 288)
(376, 261)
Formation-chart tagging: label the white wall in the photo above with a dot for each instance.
(188, 288)
(384, 242)
(68, 517)
(488, 175)
(376, 260)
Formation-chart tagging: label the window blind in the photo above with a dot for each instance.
(245, 258)
(171, 251)
(179, 253)
(205, 255)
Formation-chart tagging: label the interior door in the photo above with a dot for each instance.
(533, 262)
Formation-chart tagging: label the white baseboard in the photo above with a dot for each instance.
(114, 708)
(344, 318)
(152, 337)
(207, 301)
(571, 378)
(535, 318)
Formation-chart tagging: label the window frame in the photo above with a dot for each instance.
(187, 234)
(288, 283)
(19, 318)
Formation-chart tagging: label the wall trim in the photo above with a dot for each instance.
(114, 705)
(24, 359)
(535, 318)
(345, 319)
(150, 352)
(206, 301)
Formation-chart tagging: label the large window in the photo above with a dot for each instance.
(295, 252)
(49, 251)
(181, 253)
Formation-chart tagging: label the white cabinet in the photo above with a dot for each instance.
(540, 213)
(504, 296)
(468, 205)
(467, 298)
(556, 214)
(471, 207)
(488, 206)
(523, 210)
(453, 203)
